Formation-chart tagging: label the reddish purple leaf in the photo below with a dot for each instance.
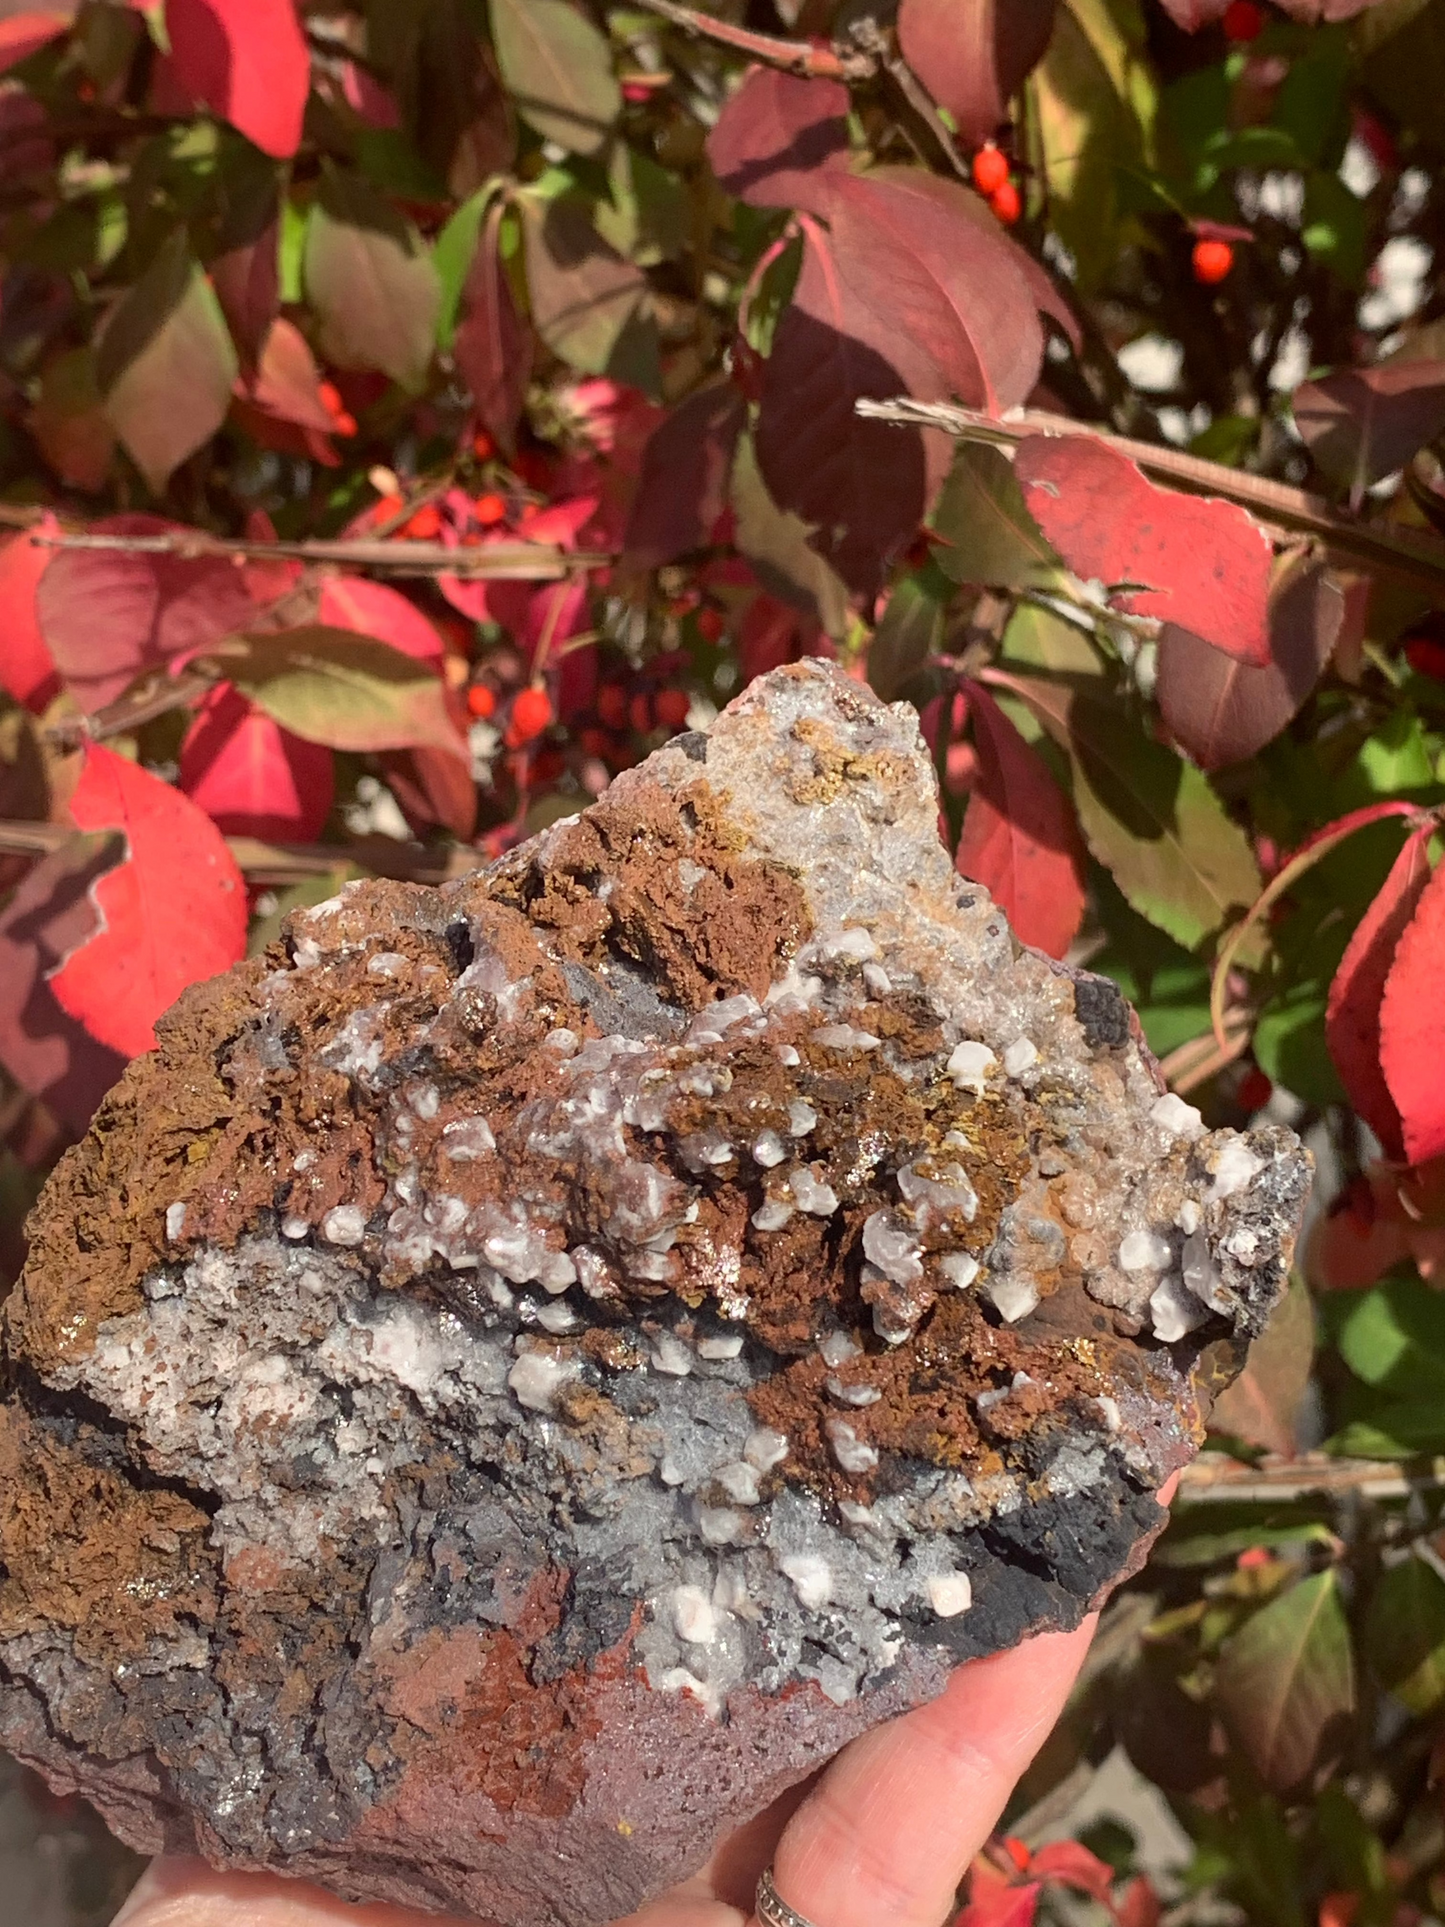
(493, 344)
(1020, 839)
(775, 133)
(49, 1053)
(287, 382)
(246, 271)
(1412, 1025)
(246, 60)
(1000, 1905)
(1221, 710)
(1206, 563)
(24, 33)
(1070, 1864)
(685, 468)
(26, 669)
(1191, 15)
(1352, 1016)
(972, 55)
(372, 609)
(1362, 424)
(172, 913)
(250, 776)
(106, 615)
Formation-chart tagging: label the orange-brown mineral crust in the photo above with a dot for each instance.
(527, 1370)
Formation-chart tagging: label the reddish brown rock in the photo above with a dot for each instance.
(527, 1370)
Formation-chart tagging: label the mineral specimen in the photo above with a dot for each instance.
(527, 1370)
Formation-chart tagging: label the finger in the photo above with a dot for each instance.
(888, 1832)
(182, 1892)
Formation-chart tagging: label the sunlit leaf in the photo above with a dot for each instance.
(372, 281)
(558, 69)
(248, 61)
(347, 691)
(1412, 1025)
(972, 55)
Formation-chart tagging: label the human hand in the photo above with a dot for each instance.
(881, 1838)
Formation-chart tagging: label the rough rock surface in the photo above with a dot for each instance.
(527, 1370)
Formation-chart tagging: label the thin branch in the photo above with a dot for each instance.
(1275, 1479)
(276, 865)
(797, 56)
(501, 561)
(1194, 1063)
(1409, 554)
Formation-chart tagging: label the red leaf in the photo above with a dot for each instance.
(23, 33)
(1412, 1025)
(685, 469)
(774, 133)
(246, 60)
(250, 776)
(1221, 710)
(432, 787)
(1352, 1017)
(287, 382)
(26, 668)
(107, 614)
(1000, 1906)
(1072, 1865)
(1362, 424)
(246, 272)
(371, 609)
(1206, 563)
(172, 913)
(493, 344)
(972, 55)
(1020, 839)
(44, 1049)
(1139, 1905)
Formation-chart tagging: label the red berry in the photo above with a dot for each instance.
(343, 423)
(426, 524)
(710, 624)
(481, 701)
(531, 713)
(990, 169)
(1426, 656)
(1255, 1091)
(387, 506)
(639, 712)
(483, 447)
(636, 92)
(670, 706)
(489, 510)
(1243, 20)
(1212, 261)
(612, 705)
(1253, 1558)
(1006, 204)
(329, 395)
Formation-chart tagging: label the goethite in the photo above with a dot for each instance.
(528, 1369)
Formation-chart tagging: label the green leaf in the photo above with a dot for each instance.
(1392, 1432)
(452, 257)
(1150, 818)
(1334, 227)
(1205, 1535)
(646, 218)
(295, 224)
(591, 307)
(1405, 1633)
(558, 70)
(989, 537)
(1287, 1677)
(905, 638)
(371, 281)
(1394, 1338)
(165, 364)
(347, 691)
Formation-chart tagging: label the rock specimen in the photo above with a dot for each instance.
(528, 1369)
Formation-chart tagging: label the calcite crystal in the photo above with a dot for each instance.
(527, 1370)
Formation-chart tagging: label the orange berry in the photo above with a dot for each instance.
(1212, 261)
(481, 701)
(1006, 204)
(329, 395)
(639, 712)
(388, 506)
(426, 524)
(483, 447)
(670, 706)
(531, 713)
(612, 705)
(1243, 20)
(711, 624)
(490, 509)
(990, 169)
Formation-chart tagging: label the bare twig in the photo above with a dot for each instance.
(797, 56)
(1409, 554)
(1277, 1479)
(1194, 1063)
(501, 561)
(276, 865)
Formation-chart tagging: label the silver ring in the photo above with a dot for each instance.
(771, 1909)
